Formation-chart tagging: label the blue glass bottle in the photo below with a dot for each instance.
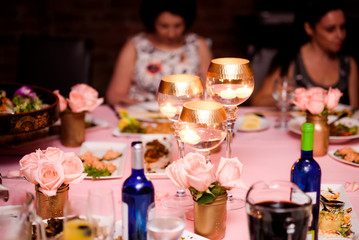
(306, 173)
(137, 195)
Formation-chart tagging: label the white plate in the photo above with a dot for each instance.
(264, 124)
(344, 198)
(157, 169)
(186, 235)
(295, 124)
(100, 148)
(340, 159)
(146, 111)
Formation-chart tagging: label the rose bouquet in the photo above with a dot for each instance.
(194, 173)
(316, 100)
(82, 97)
(51, 168)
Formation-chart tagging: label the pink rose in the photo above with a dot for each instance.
(333, 97)
(316, 103)
(83, 98)
(28, 165)
(200, 174)
(301, 98)
(229, 172)
(177, 173)
(62, 101)
(50, 176)
(53, 154)
(73, 168)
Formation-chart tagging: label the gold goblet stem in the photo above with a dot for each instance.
(180, 144)
(231, 113)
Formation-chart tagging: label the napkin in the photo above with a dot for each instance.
(351, 186)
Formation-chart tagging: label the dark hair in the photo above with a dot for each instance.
(310, 11)
(314, 10)
(150, 9)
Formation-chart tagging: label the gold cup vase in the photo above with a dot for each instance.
(50, 207)
(210, 218)
(321, 134)
(72, 129)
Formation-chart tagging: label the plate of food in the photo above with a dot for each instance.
(129, 125)
(337, 222)
(341, 131)
(103, 160)
(347, 155)
(157, 153)
(147, 111)
(251, 122)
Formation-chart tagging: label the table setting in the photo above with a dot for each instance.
(189, 165)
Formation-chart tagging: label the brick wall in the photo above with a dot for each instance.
(109, 22)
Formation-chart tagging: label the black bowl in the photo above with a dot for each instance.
(20, 123)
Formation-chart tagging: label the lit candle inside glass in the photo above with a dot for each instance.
(168, 110)
(189, 136)
(228, 93)
(243, 92)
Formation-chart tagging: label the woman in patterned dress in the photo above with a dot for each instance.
(165, 48)
(319, 61)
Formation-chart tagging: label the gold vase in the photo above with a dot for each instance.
(321, 134)
(72, 129)
(210, 218)
(49, 207)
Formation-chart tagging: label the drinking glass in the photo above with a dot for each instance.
(173, 92)
(277, 210)
(283, 94)
(230, 82)
(77, 225)
(202, 125)
(101, 212)
(165, 223)
(17, 215)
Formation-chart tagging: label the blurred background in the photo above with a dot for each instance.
(251, 29)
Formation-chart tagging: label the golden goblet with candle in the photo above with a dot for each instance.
(173, 92)
(230, 81)
(202, 125)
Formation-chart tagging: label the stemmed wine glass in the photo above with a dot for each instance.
(173, 92)
(283, 94)
(202, 125)
(230, 82)
(165, 223)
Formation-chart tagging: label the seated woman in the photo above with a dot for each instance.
(319, 61)
(165, 48)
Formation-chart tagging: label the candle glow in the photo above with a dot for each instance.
(189, 136)
(168, 110)
(242, 92)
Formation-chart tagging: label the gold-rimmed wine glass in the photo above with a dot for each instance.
(230, 81)
(173, 92)
(202, 125)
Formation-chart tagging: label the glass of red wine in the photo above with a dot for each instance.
(278, 210)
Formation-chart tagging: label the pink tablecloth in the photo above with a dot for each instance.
(266, 155)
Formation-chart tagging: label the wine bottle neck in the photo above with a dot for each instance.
(138, 172)
(306, 154)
